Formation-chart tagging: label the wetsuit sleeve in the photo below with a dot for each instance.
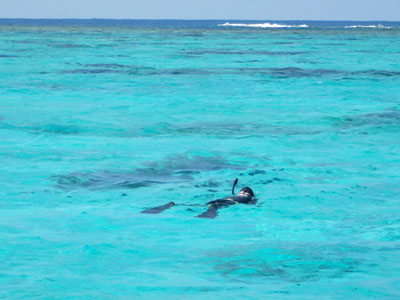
(158, 209)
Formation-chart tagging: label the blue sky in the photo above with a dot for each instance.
(204, 9)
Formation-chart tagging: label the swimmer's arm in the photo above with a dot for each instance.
(158, 209)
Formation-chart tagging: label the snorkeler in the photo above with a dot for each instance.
(245, 196)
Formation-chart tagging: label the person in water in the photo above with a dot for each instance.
(245, 196)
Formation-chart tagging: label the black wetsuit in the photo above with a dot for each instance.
(224, 202)
(230, 200)
(213, 206)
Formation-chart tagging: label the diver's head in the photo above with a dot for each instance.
(246, 192)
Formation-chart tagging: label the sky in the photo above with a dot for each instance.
(205, 9)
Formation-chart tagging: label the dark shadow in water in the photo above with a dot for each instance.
(236, 130)
(287, 72)
(92, 71)
(191, 34)
(282, 43)
(377, 73)
(179, 164)
(105, 66)
(48, 128)
(298, 72)
(373, 119)
(247, 61)
(213, 129)
(175, 169)
(59, 129)
(26, 42)
(185, 71)
(8, 56)
(112, 55)
(70, 46)
(291, 265)
(242, 52)
(115, 180)
(208, 128)
(332, 44)
(67, 46)
(21, 50)
(256, 172)
(208, 184)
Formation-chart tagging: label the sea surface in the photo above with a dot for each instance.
(101, 119)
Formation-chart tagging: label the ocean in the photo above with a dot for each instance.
(101, 119)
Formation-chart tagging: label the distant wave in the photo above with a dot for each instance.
(368, 26)
(264, 25)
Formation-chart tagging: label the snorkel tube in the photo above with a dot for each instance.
(233, 187)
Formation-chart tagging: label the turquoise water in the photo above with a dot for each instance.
(100, 120)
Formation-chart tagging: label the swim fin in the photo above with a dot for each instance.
(210, 213)
(158, 209)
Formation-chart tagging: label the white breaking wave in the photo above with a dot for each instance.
(368, 26)
(264, 25)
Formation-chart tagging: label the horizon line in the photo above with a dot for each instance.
(178, 19)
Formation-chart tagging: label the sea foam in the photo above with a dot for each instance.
(264, 25)
(368, 26)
